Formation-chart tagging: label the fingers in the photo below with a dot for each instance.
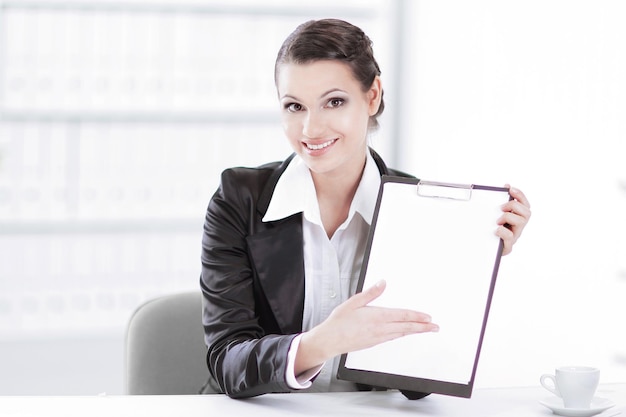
(394, 323)
(518, 195)
(516, 214)
(399, 315)
(513, 221)
(509, 230)
(401, 321)
(384, 324)
(396, 330)
(508, 239)
(386, 315)
(409, 322)
(518, 205)
(518, 209)
(367, 296)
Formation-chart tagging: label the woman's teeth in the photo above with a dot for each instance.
(321, 145)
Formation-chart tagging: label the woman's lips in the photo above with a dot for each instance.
(319, 146)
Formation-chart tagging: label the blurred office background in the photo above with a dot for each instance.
(116, 118)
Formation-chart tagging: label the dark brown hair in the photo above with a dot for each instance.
(334, 40)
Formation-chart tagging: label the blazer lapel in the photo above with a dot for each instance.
(277, 255)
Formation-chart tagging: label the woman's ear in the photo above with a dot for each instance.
(374, 96)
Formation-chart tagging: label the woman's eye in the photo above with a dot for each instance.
(335, 102)
(293, 107)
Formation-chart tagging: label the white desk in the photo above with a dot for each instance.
(509, 402)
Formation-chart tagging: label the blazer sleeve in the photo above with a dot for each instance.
(242, 359)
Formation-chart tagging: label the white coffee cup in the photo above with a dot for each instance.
(576, 385)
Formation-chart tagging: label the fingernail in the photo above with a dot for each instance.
(380, 283)
(435, 328)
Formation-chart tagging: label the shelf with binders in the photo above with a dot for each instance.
(80, 82)
(71, 284)
(125, 66)
(100, 58)
(58, 177)
(95, 221)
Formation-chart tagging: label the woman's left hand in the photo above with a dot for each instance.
(516, 214)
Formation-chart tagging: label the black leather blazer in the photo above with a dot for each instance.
(252, 282)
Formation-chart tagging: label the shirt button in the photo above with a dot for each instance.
(332, 294)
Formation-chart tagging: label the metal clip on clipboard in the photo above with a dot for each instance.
(433, 189)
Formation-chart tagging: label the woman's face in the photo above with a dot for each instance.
(325, 115)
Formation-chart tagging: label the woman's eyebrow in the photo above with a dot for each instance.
(288, 96)
(333, 90)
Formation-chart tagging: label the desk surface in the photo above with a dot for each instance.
(501, 402)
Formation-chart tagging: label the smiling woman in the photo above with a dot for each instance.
(283, 243)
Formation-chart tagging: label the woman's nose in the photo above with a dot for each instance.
(313, 125)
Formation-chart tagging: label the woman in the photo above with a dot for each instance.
(283, 243)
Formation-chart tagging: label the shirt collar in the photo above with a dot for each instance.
(295, 193)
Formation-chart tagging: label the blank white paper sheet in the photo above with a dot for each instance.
(436, 247)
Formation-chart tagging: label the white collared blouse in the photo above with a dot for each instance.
(331, 266)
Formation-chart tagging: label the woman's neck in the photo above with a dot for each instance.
(335, 192)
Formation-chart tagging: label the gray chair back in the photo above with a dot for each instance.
(165, 349)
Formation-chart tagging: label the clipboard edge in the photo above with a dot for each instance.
(403, 382)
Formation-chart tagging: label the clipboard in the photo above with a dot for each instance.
(435, 245)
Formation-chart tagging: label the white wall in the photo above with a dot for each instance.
(533, 93)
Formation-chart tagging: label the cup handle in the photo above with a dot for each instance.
(553, 389)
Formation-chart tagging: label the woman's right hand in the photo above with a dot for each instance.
(354, 325)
